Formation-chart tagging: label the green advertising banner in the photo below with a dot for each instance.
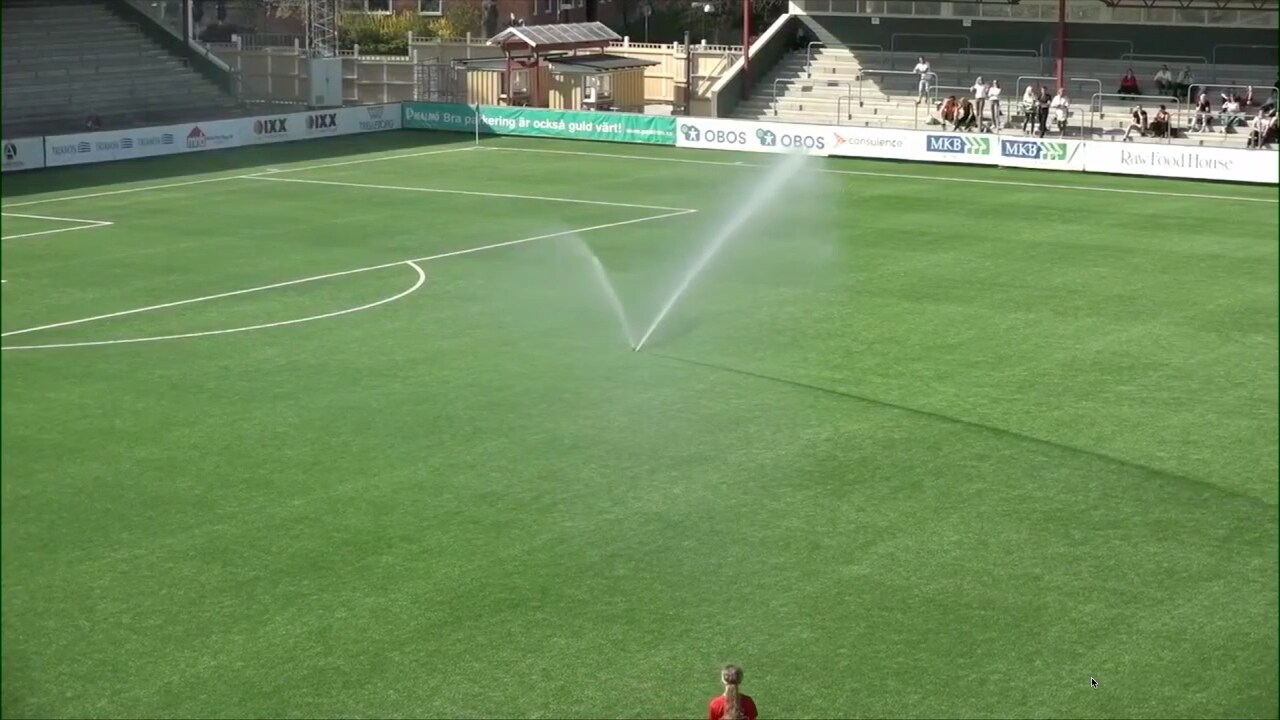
(537, 122)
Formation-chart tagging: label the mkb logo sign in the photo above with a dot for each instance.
(1034, 150)
(958, 144)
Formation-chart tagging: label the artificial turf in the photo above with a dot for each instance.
(926, 441)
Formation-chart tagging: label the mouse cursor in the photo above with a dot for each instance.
(1093, 683)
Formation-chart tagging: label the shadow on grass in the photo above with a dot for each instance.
(1202, 485)
(176, 167)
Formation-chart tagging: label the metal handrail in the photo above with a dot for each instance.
(808, 58)
(1044, 46)
(775, 91)
(1191, 94)
(1097, 99)
(870, 71)
(1000, 51)
(839, 102)
(1150, 57)
(1216, 48)
(893, 42)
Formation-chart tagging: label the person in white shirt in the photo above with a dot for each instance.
(1185, 80)
(979, 97)
(993, 100)
(1059, 107)
(1029, 110)
(922, 69)
(1231, 114)
(1164, 80)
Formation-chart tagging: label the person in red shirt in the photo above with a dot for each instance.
(732, 705)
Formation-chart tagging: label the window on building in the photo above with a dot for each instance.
(519, 82)
(377, 6)
(548, 7)
(430, 7)
(602, 83)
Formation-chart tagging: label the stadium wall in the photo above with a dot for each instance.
(1145, 159)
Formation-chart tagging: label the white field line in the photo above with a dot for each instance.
(326, 276)
(901, 176)
(474, 193)
(82, 225)
(185, 183)
(422, 278)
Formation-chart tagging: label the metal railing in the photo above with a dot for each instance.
(1080, 80)
(862, 76)
(1175, 116)
(1047, 47)
(1155, 57)
(808, 57)
(808, 87)
(1191, 101)
(893, 43)
(1233, 46)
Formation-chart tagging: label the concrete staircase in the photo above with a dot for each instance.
(64, 61)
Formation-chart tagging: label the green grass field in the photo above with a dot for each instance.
(929, 441)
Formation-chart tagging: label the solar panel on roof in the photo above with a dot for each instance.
(569, 33)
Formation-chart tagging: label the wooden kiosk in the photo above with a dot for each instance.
(563, 67)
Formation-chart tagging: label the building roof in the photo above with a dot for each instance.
(554, 37)
(579, 64)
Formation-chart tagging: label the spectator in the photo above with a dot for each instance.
(1204, 114)
(1186, 79)
(732, 704)
(922, 69)
(993, 99)
(1248, 97)
(1232, 115)
(1061, 107)
(1129, 84)
(93, 123)
(1256, 130)
(1270, 104)
(1043, 102)
(980, 90)
(966, 118)
(1164, 81)
(1160, 123)
(1029, 110)
(1138, 123)
(947, 110)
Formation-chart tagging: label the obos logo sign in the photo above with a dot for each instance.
(694, 135)
(791, 141)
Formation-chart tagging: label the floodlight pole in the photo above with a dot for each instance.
(746, 49)
(1060, 68)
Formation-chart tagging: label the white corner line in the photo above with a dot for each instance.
(83, 225)
(900, 176)
(422, 278)
(326, 276)
(473, 193)
(222, 178)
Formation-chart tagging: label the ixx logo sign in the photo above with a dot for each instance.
(958, 144)
(1034, 150)
(271, 126)
(323, 121)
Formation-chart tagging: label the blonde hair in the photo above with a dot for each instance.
(731, 675)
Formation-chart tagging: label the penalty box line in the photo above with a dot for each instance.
(370, 268)
(81, 224)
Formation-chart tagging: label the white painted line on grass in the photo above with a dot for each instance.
(901, 176)
(474, 193)
(83, 225)
(326, 276)
(422, 277)
(222, 178)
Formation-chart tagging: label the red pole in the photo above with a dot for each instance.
(1061, 65)
(746, 49)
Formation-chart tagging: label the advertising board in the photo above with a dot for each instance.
(748, 136)
(23, 154)
(539, 122)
